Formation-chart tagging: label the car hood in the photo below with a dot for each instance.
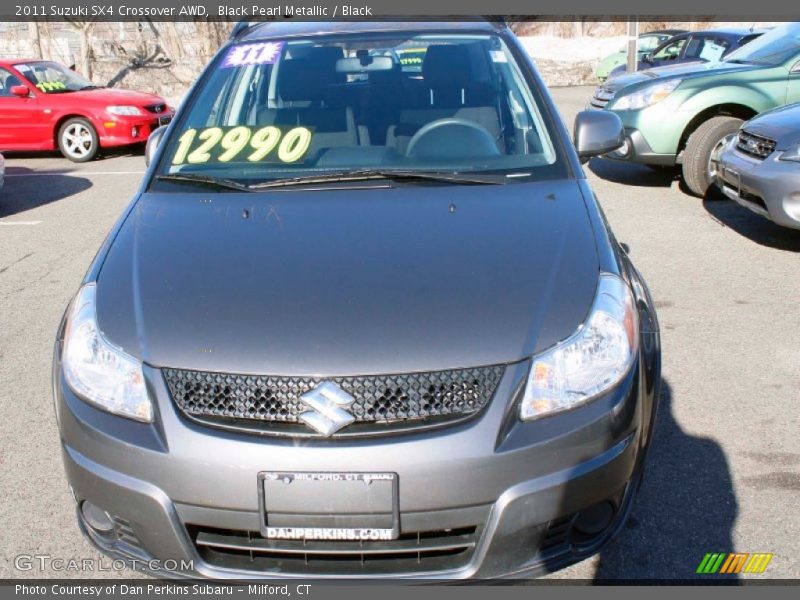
(114, 96)
(358, 281)
(682, 71)
(781, 124)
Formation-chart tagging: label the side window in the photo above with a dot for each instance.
(671, 51)
(7, 81)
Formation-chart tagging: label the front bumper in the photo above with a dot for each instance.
(637, 150)
(653, 134)
(512, 499)
(114, 131)
(769, 187)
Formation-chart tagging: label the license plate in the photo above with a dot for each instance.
(329, 506)
(733, 178)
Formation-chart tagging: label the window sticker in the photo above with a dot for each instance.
(49, 86)
(498, 56)
(411, 57)
(263, 53)
(712, 52)
(226, 144)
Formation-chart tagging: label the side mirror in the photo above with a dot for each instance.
(153, 142)
(20, 91)
(597, 132)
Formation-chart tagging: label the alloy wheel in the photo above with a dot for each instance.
(713, 158)
(77, 140)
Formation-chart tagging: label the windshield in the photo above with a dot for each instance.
(650, 42)
(300, 107)
(771, 49)
(52, 78)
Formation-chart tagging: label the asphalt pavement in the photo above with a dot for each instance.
(724, 470)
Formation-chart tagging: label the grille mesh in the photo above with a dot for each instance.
(382, 402)
(412, 552)
(755, 145)
(156, 108)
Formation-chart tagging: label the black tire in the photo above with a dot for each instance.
(698, 163)
(77, 140)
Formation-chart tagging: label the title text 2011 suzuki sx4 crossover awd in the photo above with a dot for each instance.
(361, 320)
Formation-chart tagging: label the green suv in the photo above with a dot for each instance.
(685, 114)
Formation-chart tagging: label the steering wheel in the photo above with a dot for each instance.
(452, 138)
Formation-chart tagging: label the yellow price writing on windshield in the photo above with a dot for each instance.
(196, 146)
(49, 86)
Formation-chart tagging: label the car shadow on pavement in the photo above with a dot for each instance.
(132, 150)
(25, 189)
(752, 226)
(632, 174)
(686, 507)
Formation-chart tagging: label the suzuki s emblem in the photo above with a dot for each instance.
(328, 403)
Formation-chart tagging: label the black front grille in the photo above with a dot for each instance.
(424, 551)
(755, 145)
(556, 539)
(156, 108)
(126, 537)
(383, 403)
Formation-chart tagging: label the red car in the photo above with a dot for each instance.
(45, 105)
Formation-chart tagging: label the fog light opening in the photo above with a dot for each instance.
(623, 151)
(593, 521)
(96, 518)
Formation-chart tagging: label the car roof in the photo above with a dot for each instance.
(10, 62)
(731, 31)
(285, 29)
(665, 32)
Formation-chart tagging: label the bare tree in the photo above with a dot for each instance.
(85, 29)
(171, 39)
(147, 52)
(36, 38)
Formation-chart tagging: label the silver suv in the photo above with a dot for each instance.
(362, 319)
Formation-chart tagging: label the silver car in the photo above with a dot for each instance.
(760, 167)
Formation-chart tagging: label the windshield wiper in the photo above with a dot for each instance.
(334, 177)
(368, 174)
(91, 87)
(205, 180)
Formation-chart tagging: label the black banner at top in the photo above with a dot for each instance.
(235, 10)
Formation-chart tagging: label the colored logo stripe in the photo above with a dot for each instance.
(710, 563)
(734, 562)
(758, 563)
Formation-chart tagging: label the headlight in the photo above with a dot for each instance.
(127, 111)
(590, 362)
(98, 371)
(646, 96)
(792, 154)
